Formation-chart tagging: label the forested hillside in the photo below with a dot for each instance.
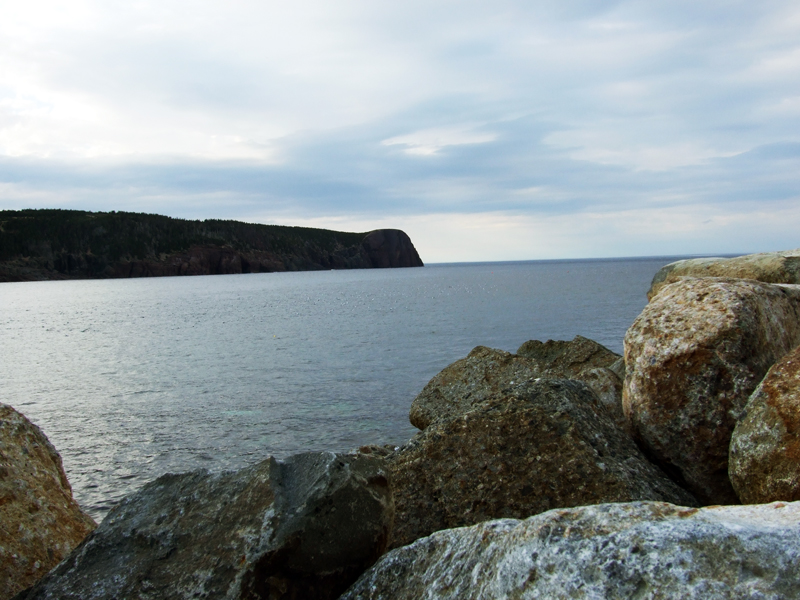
(59, 244)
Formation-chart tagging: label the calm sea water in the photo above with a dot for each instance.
(134, 378)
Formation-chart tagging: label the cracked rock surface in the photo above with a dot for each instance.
(643, 550)
(305, 527)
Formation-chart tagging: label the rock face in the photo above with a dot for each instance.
(643, 550)
(764, 459)
(568, 358)
(301, 528)
(769, 267)
(390, 248)
(40, 523)
(693, 357)
(541, 445)
(485, 371)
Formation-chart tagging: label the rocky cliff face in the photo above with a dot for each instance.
(386, 248)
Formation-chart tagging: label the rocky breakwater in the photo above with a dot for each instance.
(539, 445)
(512, 435)
(769, 267)
(693, 357)
(304, 528)
(643, 550)
(40, 522)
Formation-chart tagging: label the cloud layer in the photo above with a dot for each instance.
(489, 131)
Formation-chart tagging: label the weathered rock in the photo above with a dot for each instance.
(468, 382)
(693, 357)
(390, 248)
(769, 267)
(764, 459)
(485, 371)
(568, 358)
(40, 522)
(541, 445)
(643, 550)
(301, 528)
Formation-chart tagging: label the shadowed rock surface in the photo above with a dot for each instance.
(301, 528)
(485, 371)
(693, 356)
(769, 267)
(40, 522)
(642, 550)
(541, 445)
(71, 244)
(764, 460)
(387, 248)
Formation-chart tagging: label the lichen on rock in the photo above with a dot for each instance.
(764, 459)
(40, 522)
(693, 357)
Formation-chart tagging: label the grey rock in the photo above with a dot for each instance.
(305, 527)
(485, 371)
(693, 357)
(568, 358)
(764, 458)
(40, 522)
(642, 550)
(537, 446)
(769, 267)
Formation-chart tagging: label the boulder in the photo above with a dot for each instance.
(485, 371)
(540, 445)
(40, 522)
(643, 550)
(305, 527)
(769, 267)
(764, 459)
(693, 357)
(468, 382)
(568, 358)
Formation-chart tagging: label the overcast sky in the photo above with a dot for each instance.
(502, 130)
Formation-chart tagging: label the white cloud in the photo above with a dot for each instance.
(430, 141)
(517, 112)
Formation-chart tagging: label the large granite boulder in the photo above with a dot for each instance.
(486, 371)
(305, 527)
(537, 446)
(390, 248)
(764, 459)
(693, 357)
(642, 550)
(769, 267)
(40, 522)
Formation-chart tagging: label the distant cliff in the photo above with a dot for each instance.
(71, 244)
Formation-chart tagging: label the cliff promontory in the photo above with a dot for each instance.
(71, 244)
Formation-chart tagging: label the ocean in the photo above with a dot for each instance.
(134, 378)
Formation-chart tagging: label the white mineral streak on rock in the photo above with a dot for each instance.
(643, 550)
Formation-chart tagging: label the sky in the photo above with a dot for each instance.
(502, 130)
